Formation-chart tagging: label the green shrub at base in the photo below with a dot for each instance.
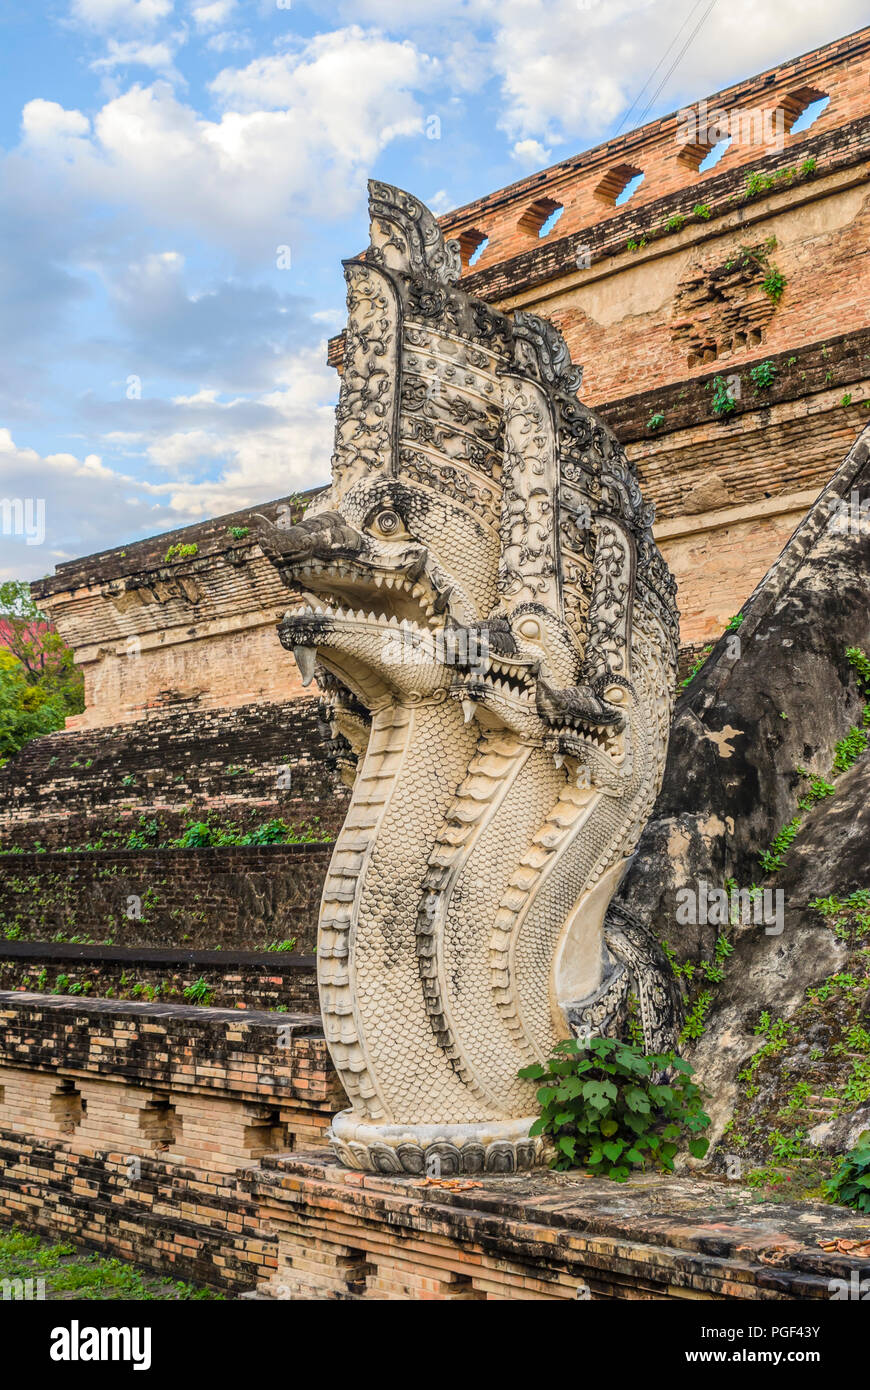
(605, 1110)
(850, 1185)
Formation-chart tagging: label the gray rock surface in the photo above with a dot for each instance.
(776, 700)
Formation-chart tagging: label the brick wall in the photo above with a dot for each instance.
(242, 766)
(241, 897)
(150, 632)
(126, 1127)
(192, 1141)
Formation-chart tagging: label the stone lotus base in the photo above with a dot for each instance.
(437, 1150)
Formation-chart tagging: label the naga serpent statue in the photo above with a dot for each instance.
(495, 635)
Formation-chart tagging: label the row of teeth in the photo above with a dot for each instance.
(326, 610)
(345, 568)
(599, 738)
(396, 582)
(403, 586)
(509, 667)
(505, 688)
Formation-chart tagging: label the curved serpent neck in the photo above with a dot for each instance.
(433, 997)
(373, 1005)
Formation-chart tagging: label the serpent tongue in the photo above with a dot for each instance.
(305, 659)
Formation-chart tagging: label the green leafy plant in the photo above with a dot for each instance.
(694, 1024)
(702, 210)
(776, 1034)
(860, 664)
(181, 552)
(147, 836)
(850, 1185)
(773, 859)
(756, 183)
(655, 421)
(238, 533)
(606, 1108)
(272, 832)
(675, 223)
(773, 284)
(696, 668)
(763, 375)
(723, 401)
(197, 834)
(200, 992)
(848, 750)
(798, 1095)
(819, 789)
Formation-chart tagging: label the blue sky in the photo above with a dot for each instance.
(160, 365)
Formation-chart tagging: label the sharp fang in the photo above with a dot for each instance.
(559, 759)
(305, 659)
(469, 710)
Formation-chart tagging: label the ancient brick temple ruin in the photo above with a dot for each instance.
(166, 1086)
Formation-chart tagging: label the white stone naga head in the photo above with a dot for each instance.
(495, 633)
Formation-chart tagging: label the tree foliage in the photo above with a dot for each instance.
(39, 682)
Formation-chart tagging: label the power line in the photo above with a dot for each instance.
(697, 5)
(678, 59)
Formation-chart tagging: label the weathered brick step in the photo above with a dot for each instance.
(248, 1055)
(246, 765)
(539, 1234)
(260, 980)
(237, 897)
(155, 955)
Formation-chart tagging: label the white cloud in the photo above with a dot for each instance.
(84, 501)
(336, 76)
(229, 41)
(569, 69)
(159, 56)
(46, 123)
(290, 452)
(120, 14)
(212, 16)
(531, 154)
(297, 136)
(208, 395)
(222, 463)
(439, 202)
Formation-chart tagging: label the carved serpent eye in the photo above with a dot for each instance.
(389, 523)
(530, 628)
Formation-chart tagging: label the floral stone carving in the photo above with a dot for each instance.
(495, 636)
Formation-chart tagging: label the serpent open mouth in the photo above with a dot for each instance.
(341, 597)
